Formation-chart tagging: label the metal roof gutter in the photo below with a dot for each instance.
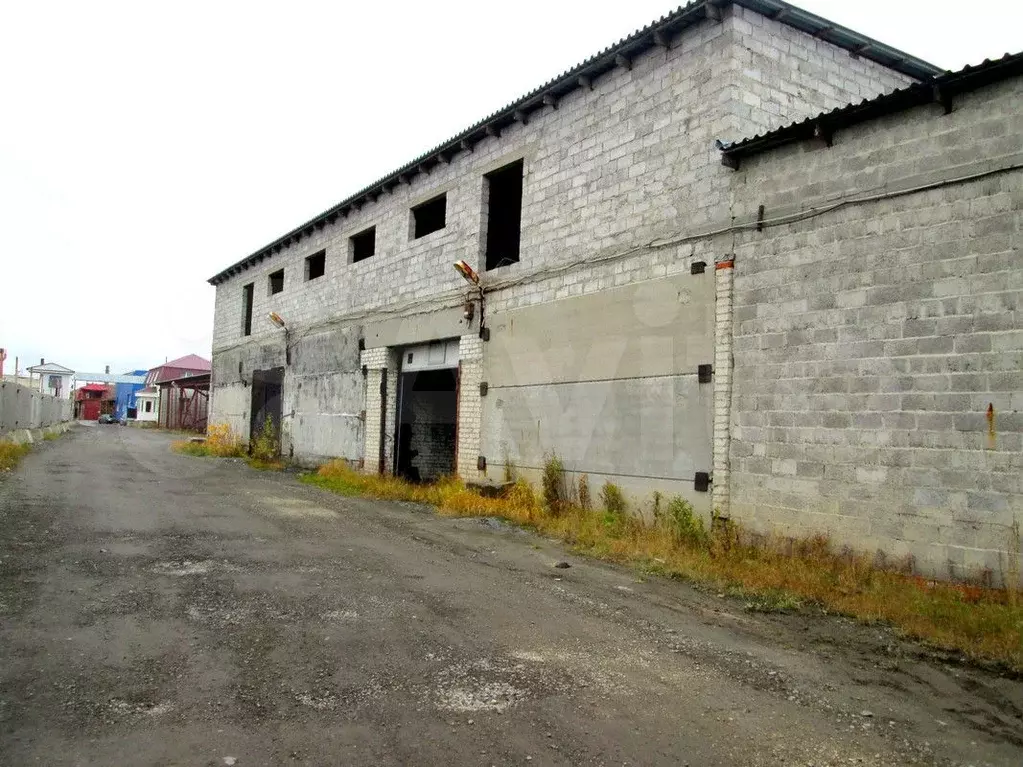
(657, 34)
(940, 90)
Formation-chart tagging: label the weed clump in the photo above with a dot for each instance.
(613, 499)
(681, 523)
(585, 502)
(221, 441)
(265, 446)
(553, 482)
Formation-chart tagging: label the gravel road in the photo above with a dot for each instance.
(157, 609)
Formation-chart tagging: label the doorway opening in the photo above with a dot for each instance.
(426, 423)
(267, 405)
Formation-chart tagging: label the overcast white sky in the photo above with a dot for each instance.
(146, 146)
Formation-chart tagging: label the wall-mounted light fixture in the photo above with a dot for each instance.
(277, 320)
(469, 275)
(467, 272)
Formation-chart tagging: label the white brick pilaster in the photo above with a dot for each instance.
(470, 355)
(723, 278)
(381, 368)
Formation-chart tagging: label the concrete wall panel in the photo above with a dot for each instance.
(652, 431)
(25, 408)
(655, 328)
(418, 328)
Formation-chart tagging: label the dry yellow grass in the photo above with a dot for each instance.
(770, 574)
(222, 442)
(11, 453)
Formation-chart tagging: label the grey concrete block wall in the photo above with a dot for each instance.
(619, 182)
(782, 75)
(871, 341)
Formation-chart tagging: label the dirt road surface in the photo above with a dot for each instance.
(157, 609)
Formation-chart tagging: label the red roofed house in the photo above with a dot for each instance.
(190, 364)
(92, 400)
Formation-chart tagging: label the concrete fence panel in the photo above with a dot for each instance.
(24, 408)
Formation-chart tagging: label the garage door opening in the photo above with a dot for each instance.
(266, 405)
(427, 412)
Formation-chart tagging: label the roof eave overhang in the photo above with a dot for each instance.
(939, 90)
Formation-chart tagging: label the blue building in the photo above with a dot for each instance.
(124, 395)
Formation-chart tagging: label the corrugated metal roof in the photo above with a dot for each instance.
(656, 33)
(941, 90)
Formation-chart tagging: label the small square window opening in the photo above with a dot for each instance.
(276, 282)
(364, 244)
(315, 265)
(429, 216)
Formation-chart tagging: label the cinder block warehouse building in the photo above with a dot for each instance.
(745, 255)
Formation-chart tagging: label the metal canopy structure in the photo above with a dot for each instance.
(184, 402)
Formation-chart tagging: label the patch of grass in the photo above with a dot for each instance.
(767, 601)
(222, 442)
(187, 447)
(11, 454)
(767, 574)
(49, 436)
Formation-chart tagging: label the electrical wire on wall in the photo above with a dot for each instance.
(453, 298)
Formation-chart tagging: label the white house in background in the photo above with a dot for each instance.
(147, 404)
(52, 378)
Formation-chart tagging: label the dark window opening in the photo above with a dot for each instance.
(504, 215)
(429, 217)
(364, 244)
(315, 265)
(247, 294)
(277, 282)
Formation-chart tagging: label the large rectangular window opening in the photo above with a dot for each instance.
(247, 294)
(364, 244)
(429, 216)
(315, 265)
(276, 282)
(503, 215)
